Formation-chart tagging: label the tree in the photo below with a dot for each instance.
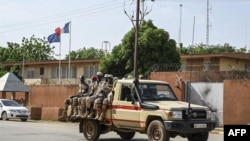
(32, 49)
(154, 46)
(36, 49)
(86, 53)
(202, 49)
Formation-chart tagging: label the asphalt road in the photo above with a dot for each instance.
(14, 130)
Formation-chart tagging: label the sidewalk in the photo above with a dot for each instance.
(217, 130)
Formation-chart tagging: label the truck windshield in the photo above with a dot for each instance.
(156, 92)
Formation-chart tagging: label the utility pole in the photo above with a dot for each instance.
(136, 26)
(136, 36)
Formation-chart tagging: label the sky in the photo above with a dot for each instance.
(102, 24)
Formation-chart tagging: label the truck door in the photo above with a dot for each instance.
(127, 113)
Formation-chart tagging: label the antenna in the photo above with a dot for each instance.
(193, 32)
(208, 25)
(189, 110)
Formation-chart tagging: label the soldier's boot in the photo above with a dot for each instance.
(75, 113)
(87, 112)
(98, 113)
(75, 110)
(102, 115)
(70, 112)
(90, 115)
(63, 117)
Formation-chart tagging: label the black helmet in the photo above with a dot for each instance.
(82, 77)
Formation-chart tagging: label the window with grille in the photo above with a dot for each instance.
(30, 73)
(90, 70)
(54, 72)
(41, 71)
(206, 66)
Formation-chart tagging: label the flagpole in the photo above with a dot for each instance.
(59, 73)
(69, 75)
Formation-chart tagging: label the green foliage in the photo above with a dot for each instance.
(32, 49)
(154, 46)
(86, 53)
(202, 49)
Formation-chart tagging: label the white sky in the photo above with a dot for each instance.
(95, 21)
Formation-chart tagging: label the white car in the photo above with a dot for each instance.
(10, 109)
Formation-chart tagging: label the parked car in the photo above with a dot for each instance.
(10, 109)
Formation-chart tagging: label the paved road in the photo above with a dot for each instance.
(57, 131)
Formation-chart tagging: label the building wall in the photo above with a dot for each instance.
(236, 101)
(45, 95)
(208, 94)
(47, 77)
(228, 64)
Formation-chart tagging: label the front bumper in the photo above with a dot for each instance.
(17, 115)
(189, 126)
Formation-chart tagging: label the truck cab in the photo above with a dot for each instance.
(149, 107)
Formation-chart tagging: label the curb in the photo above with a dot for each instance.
(217, 131)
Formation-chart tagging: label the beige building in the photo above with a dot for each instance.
(216, 62)
(56, 72)
(47, 72)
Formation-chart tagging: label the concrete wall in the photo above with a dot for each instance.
(236, 101)
(211, 95)
(46, 95)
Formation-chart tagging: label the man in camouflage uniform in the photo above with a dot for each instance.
(82, 93)
(101, 102)
(90, 99)
(82, 88)
(93, 88)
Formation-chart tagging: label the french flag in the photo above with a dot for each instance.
(65, 29)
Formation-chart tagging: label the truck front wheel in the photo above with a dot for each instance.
(126, 135)
(91, 129)
(157, 131)
(198, 137)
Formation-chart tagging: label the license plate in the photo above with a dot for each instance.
(200, 125)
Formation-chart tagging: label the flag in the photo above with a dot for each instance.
(53, 38)
(65, 29)
(58, 31)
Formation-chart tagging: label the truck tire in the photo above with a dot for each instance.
(157, 132)
(198, 137)
(126, 135)
(91, 129)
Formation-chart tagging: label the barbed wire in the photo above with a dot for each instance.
(203, 72)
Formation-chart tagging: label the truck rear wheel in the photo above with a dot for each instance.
(157, 131)
(126, 135)
(91, 129)
(198, 137)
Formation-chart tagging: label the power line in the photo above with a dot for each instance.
(100, 8)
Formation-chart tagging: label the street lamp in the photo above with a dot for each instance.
(180, 25)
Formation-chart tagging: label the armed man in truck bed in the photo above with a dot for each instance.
(73, 101)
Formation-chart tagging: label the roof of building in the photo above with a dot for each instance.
(10, 83)
(245, 56)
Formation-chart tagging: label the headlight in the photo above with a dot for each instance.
(175, 114)
(11, 110)
(209, 114)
